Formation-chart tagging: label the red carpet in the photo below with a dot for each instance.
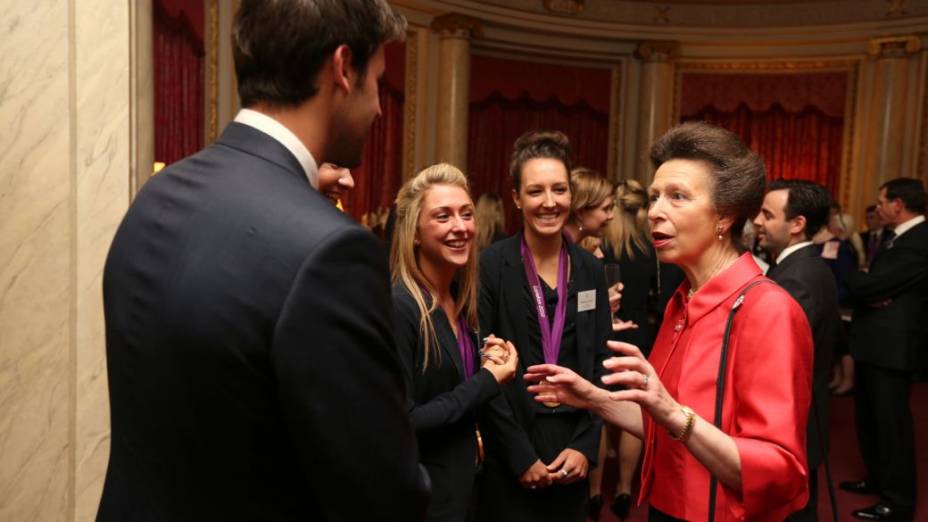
(845, 461)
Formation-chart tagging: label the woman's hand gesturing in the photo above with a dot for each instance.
(558, 384)
(642, 386)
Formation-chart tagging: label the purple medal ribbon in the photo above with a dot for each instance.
(466, 346)
(550, 333)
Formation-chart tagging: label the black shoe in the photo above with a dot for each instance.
(621, 505)
(859, 487)
(595, 507)
(885, 512)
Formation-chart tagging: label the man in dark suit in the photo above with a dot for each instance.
(792, 212)
(876, 235)
(252, 369)
(887, 340)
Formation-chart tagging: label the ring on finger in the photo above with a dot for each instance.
(565, 473)
(645, 383)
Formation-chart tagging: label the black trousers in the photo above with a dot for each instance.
(885, 431)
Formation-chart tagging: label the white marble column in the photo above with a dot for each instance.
(454, 32)
(65, 167)
(655, 110)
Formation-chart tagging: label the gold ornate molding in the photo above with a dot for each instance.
(410, 104)
(657, 50)
(565, 7)
(774, 67)
(457, 25)
(212, 70)
(894, 46)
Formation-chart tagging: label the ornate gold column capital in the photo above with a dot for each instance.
(894, 46)
(455, 25)
(657, 50)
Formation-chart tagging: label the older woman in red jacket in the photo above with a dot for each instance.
(722, 402)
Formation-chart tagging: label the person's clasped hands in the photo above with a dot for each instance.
(500, 358)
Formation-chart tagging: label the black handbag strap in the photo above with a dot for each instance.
(720, 381)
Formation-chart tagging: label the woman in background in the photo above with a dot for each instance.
(549, 297)
(491, 220)
(628, 241)
(592, 206)
(434, 270)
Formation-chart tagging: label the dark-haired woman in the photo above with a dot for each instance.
(746, 461)
(549, 297)
(435, 298)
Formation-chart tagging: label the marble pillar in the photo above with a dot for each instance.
(656, 91)
(890, 122)
(65, 169)
(454, 33)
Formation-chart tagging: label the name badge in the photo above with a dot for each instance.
(830, 250)
(586, 300)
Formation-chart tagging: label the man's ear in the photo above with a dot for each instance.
(798, 224)
(343, 72)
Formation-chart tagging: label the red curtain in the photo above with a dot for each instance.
(794, 121)
(380, 175)
(178, 63)
(795, 145)
(516, 97)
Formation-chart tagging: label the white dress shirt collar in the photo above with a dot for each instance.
(790, 249)
(286, 137)
(902, 228)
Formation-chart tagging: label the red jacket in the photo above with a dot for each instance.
(767, 395)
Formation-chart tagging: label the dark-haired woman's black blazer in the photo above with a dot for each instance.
(442, 407)
(509, 420)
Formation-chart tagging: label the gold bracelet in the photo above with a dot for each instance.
(688, 427)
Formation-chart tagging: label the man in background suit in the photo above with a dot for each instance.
(252, 369)
(792, 212)
(876, 235)
(887, 340)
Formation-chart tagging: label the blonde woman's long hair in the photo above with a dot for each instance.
(630, 225)
(404, 266)
(490, 219)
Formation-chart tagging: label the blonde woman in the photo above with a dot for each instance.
(628, 243)
(491, 220)
(434, 271)
(591, 208)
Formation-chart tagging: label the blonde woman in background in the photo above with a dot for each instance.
(628, 244)
(491, 220)
(434, 272)
(591, 209)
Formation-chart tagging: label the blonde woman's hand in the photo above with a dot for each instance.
(500, 359)
(494, 350)
(642, 386)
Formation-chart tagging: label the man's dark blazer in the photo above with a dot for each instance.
(252, 368)
(502, 312)
(891, 304)
(809, 280)
(443, 406)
